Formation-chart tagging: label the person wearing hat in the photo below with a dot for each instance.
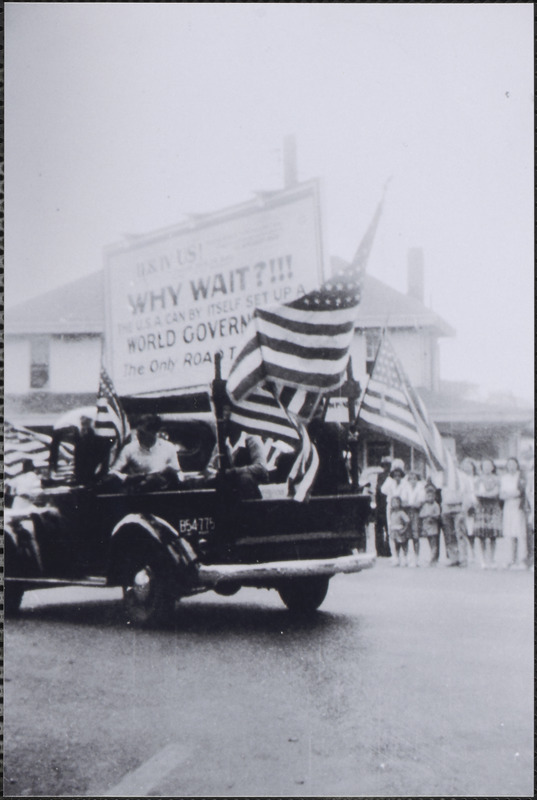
(382, 541)
(394, 487)
(148, 461)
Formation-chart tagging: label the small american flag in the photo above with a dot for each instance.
(111, 420)
(297, 353)
(391, 405)
(22, 443)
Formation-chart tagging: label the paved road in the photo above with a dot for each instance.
(408, 682)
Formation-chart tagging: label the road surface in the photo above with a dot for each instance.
(408, 682)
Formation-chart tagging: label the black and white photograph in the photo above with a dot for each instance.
(268, 400)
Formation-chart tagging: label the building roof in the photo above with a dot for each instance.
(452, 411)
(77, 307)
(381, 306)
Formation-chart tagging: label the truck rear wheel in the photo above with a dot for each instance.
(304, 595)
(12, 598)
(147, 597)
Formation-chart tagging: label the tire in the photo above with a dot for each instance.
(147, 597)
(12, 598)
(304, 595)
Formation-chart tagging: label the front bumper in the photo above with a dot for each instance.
(272, 571)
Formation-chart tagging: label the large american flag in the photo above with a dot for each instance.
(111, 420)
(297, 353)
(391, 406)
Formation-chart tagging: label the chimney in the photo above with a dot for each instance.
(416, 274)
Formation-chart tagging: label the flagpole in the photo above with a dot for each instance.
(352, 440)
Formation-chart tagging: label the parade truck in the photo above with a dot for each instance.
(161, 546)
(178, 302)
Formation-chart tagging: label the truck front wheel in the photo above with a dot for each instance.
(147, 597)
(304, 595)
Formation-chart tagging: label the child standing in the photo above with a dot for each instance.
(430, 523)
(413, 497)
(399, 530)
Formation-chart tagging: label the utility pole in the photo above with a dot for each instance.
(289, 161)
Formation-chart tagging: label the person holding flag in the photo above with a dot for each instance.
(245, 465)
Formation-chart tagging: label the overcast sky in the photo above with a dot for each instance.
(123, 117)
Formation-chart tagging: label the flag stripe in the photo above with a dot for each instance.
(307, 380)
(315, 354)
(392, 427)
(388, 410)
(303, 339)
(312, 322)
(402, 423)
(251, 424)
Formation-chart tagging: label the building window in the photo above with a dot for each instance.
(39, 362)
(372, 341)
(376, 451)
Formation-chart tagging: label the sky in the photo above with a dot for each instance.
(123, 117)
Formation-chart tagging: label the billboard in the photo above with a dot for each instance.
(176, 297)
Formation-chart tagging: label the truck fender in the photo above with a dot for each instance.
(143, 530)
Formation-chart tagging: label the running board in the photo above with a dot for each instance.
(44, 583)
(213, 574)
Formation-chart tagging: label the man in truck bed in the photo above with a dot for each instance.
(148, 462)
(246, 465)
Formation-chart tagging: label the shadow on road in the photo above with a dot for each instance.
(191, 617)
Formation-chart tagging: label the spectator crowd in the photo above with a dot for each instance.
(470, 516)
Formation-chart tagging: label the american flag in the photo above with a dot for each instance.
(111, 420)
(297, 353)
(391, 405)
(21, 443)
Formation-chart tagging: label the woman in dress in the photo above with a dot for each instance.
(512, 492)
(488, 512)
